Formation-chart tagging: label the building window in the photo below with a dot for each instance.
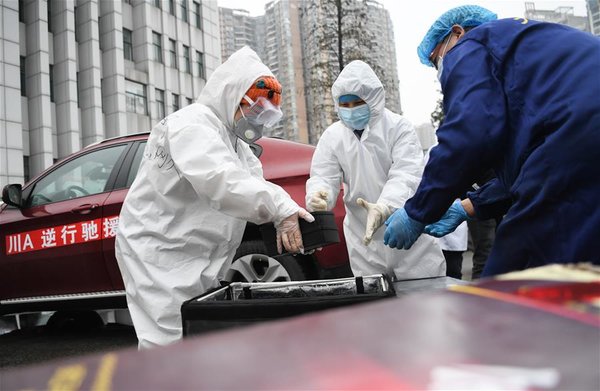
(200, 65)
(78, 84)
(128, 2)
(172, 7)
(103, 102)
(175, 99)
(26, 169)
(49, 10)
(136, 97)
(184, 10)
(198, 14)
(157, 45)
(23, 77)
(173, 53)
(51, 83)
(188, 101)
(160, 103)
(77, 28)
(21, 11)
(186, 59)
(157, 4)
(127, 45)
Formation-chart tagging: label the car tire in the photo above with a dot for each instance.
(251, 264)
(74, 321)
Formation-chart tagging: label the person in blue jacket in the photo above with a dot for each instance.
(523, 98)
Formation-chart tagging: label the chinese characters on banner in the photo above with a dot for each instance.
(62, 235)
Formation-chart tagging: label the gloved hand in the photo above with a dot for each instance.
(453, 217)
(376, 215)
(402, 231)
(318, 201)
(288, 232)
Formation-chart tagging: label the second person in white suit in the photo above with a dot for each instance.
(375, 154)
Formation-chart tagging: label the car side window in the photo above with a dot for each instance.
(135, 164)
(82, 176)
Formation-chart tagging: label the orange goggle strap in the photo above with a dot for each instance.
(267, 87)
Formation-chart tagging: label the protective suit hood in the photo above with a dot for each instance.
(229, 82)
(359, 79)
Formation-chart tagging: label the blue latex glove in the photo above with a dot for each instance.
(402, 231)
(453, 217)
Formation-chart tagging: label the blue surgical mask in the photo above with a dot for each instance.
(440, 61)
(440, 69)
(355, 118)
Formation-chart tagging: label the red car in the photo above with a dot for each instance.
(57, 246)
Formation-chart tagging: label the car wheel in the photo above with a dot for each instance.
(251, 264)
(73, 321)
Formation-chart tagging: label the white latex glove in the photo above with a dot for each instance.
(377, 214)
(288, 232)
(318, 201)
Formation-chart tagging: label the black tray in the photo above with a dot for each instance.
(320, 233)
(245, 303)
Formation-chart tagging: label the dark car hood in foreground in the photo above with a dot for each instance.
(480, 336)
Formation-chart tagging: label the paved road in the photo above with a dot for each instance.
(40, 344)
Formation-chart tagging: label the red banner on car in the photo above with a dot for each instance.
(62, 235)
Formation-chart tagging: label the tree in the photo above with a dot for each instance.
(328, 47)
(437, 116)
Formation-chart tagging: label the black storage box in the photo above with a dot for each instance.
(320, 233)
(242, 303)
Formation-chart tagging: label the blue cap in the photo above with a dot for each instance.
(348, 98)
(465, 16)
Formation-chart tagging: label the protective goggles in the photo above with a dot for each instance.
(261, 111)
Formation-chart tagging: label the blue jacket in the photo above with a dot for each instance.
(522, 97)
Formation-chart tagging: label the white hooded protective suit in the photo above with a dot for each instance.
(384, 166)
(185, 214)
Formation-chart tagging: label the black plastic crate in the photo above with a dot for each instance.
(320, 233)
(239, 304)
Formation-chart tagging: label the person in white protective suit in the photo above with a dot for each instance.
(377, 156)
(453, 246)
(197, 186)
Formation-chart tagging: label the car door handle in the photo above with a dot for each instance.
(84, 209)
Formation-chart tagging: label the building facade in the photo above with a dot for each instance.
(562, 15)
(238, 29)
(380, 22)
(92, 69)
(271, 36)
(297, 40)
(285, 59)
(593, 10)
(366, 34)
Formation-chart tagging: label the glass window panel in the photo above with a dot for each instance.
(160, 103)
(84, 175)
(157, 46)
(135, 165)
(198, 14)
(136, 97)
(127, 45)
(173, 53)
(184, 11)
